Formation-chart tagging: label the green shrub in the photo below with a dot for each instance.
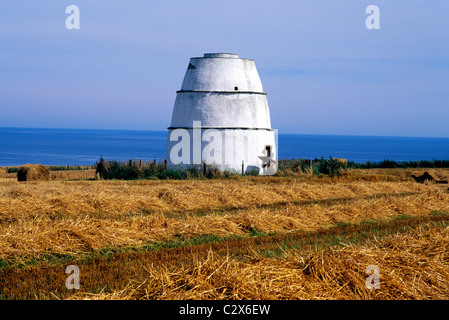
(330, 167)
(133, 169)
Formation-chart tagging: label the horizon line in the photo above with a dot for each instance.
(282, 133)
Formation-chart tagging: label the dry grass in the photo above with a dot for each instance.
(60, 175)
(63, 175)
(70, 219)
(412, 266)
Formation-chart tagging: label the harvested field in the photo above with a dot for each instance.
(298, 237)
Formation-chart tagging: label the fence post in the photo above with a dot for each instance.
(243, 167)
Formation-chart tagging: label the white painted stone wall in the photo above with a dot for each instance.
(228, 149)
(221, 110)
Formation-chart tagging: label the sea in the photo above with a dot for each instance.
(82, 147)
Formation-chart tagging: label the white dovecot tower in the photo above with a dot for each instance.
(221, 117)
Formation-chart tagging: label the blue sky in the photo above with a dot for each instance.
(323, 70)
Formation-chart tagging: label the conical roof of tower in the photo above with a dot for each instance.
(221, 72)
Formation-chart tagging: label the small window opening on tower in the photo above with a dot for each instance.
(268, 151)
(236, 88)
